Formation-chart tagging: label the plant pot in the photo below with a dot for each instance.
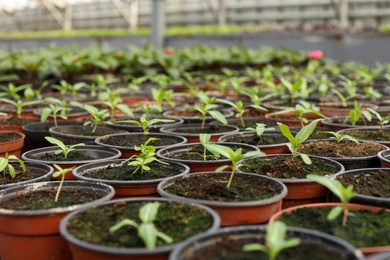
(342, 122)
(74, 134)
(273, 142)
(132, 186)
(155, 128)
(11, 143)
(191, 116)
(191, 155)
(300, 190)
(92, 153)
(384, 158)
(356, 227)
(350, 154)
(84, 248)
(227, 243)
(369, 134)
(34, 234)
(36, 172)
(126, 142)
(370, 184)
(13, 123)
(191, 131)
(332, 109)
(231, 212)
(36, 133)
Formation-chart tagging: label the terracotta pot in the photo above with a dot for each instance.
(171, 154)
(34, 234)
(233, 213)
(228, 242)
(9, 124)
(128, 151)
(332, 109)
(191, 131)
(97, 154)
(301, 191)
(353, 207)
(280, 148)
(82, 249)
(12, 147)
(125, 188)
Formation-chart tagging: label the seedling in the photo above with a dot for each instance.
(146, 156)
(19, 104)
(339, 137)
(300, 137)
(5, 165)
(64, 149)
(343, 99)
(381, 120)
(240, 108)
(60, 172)
(144, 123)
(275, 241)
(147, 231)
(208, 109)
(56, 108)
(234, 155)
(355, 113)
(98, 116)
(259, 130)
(345, 194)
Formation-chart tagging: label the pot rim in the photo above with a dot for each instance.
(139, 251)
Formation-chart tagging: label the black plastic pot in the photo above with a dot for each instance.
(74, 134)
(234, 238)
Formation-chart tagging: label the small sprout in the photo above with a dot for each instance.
(345, 194)
(5, 164)
(234, 155)
(339, 137)
(145, 123)
(60, 172)
(209, 109)
(260, 129)
(381, 120)
(300, 137)
(147, 231)
(275, 241)
(355, 113)
(64, 149)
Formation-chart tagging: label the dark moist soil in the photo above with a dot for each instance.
(130, 141)
(374, 135)
(266, 139)
(44, 199)
(373, 183)
(360, 122)
(7, 137)
(213, 187)
(125, 172)
(346, 149)
(89, 133)
(208, 129)
(30, 173)
(179, 221)
(229, 247)
(73, 156)
(363, 229)
(195, 153)
(15, 121)
(287, 168)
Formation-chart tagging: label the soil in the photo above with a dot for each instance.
(360, 122)
(195, 153)
(229, 247)
(136, 140)
(213, 187)
(363, 229)
(88, 133)
(374, 135)
(126, 173)
(287, 168)
(44, 199)
(347, 149)
(179, 221)
(9, 136)
(373, 183)
(30, 173)
(73, 156)
(266, 139)
(15, 121)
